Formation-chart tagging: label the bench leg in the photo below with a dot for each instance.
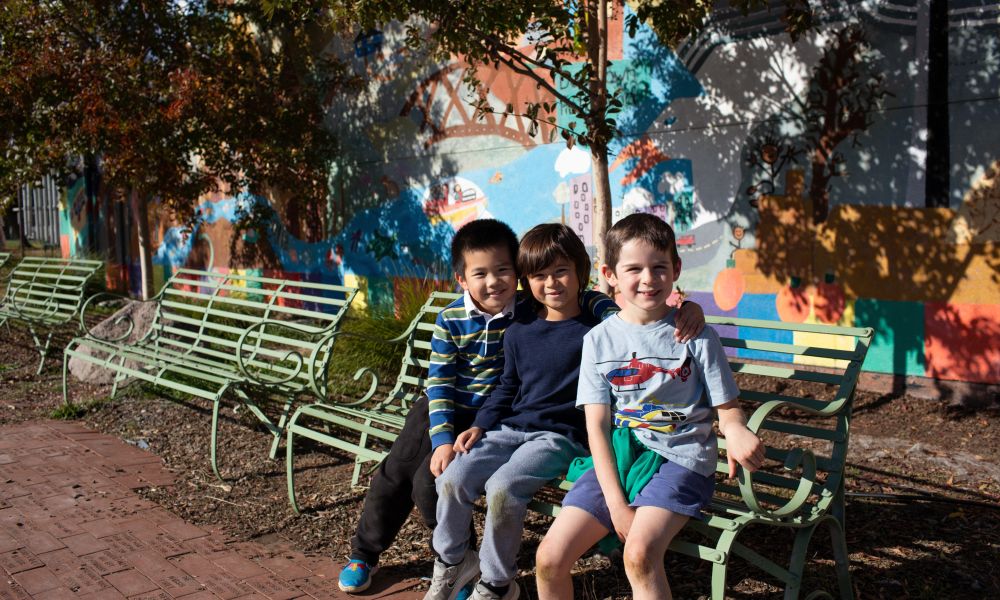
(42, 349)
(290, 467)
(213, 453)
(356, 477)
(65, 379)
(119, 377)
(724, 546)
(800, 552)
(282, 420)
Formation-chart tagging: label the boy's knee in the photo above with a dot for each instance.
(550, 561)
(498, 499)
(446, 484)
(640, 561)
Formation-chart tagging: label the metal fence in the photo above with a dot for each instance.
(38, 211)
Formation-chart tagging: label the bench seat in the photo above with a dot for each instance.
(212, 334)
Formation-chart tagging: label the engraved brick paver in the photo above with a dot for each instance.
(71, 527)
(84, 543)
(131, 582)
(37, 580)
(19, 560)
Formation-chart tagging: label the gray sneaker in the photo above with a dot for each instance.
(449, 581)
(484, 593)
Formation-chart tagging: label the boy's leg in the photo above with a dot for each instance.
(458, 488)
(540, 457)
(652, 531)
(573, 533)
(390, 498)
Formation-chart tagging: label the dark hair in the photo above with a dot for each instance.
(643, 227)
(544, 244)
(481, 234)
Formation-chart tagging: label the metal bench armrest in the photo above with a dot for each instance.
(131, 324)
(320, 373)
(13, 304)
(798, 458)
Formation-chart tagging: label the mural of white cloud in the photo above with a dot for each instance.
(637, 199)
(573, 161)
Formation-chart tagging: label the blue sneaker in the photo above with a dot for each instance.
(466, 592)
(356, 576)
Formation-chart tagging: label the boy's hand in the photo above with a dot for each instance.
(441, 458)
(467, 439)
(690, 321)
(745, 448)
(622, 517)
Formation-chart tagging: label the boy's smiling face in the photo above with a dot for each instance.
(489, 278)
(645, 277)
(557, 289)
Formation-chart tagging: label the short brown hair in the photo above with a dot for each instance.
(545, 244)
(645, 228)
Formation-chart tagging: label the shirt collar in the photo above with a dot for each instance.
(473, 310)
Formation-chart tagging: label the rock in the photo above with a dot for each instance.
(141, 315)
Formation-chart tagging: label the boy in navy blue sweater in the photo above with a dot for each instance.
(527, 431)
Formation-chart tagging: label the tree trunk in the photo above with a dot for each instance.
(602, 206)
(140, 211)
(938, 161)
(597, 55)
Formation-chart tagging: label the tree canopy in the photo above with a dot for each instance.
(174, 98)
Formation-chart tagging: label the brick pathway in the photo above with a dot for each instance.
(71, 526)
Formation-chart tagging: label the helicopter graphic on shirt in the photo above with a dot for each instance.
(630, 376)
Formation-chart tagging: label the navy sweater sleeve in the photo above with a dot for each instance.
(498, 404)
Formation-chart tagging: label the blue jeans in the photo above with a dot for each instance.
(509, 466)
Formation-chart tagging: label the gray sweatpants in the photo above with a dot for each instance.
(509, 466)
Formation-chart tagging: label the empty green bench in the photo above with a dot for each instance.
(366, 426)
(212, 333)
(44, 294)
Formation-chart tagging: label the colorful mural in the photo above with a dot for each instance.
(784, 208)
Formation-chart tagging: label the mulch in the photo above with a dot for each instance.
(923, 505)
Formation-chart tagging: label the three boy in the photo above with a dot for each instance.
(465, 365)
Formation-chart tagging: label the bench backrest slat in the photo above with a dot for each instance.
(51, 289)
(206, 313)
(411, 380)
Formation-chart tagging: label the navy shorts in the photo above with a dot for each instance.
(673, 488)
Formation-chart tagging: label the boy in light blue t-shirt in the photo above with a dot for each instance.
(635, 375)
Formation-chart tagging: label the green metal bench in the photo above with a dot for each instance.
(4, 257)
(45, 293)
(217, 333)
(806, 434)
(353, 426)
(802, 487)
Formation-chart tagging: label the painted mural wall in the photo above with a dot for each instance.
(727, 139)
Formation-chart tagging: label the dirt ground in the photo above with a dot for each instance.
(923, 506)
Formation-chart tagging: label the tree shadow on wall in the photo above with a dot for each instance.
(380, 156)
(904, 265)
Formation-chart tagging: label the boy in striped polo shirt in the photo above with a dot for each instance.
(466, 363)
